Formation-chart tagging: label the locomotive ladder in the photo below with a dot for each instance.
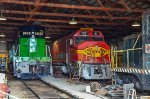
(76, 76)
(113, 63)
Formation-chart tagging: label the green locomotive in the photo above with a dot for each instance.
(31, 57)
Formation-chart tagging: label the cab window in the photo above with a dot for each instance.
(97, 39)
(80, 39)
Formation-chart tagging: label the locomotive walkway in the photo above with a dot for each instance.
(77, 91)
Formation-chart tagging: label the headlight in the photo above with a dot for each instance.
(19, 71)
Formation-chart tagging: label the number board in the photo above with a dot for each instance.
(83, 33)
(95, 33)
(28, 31)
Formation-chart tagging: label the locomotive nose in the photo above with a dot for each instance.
(94, 52)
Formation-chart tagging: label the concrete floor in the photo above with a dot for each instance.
(74, 89)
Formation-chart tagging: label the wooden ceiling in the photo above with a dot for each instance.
(112, 17)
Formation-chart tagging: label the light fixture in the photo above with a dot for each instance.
(73, 21)
(3, 41)
(47, 37)
(135, 24)
(2, 18)
(2, 35)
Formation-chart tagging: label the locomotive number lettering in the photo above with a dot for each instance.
(40, 33)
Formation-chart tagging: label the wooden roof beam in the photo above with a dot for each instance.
(37, 7)
(65, 1)
(71, 6)
(25, 9)
(89, 12)
(7, 28)
(67, 15)
(125, 5)
(12, 23)
(15, 25)
(108, 13)
(63, 21)
(7, 31)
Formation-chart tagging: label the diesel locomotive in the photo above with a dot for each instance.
(86, 50)
(136, 57)
(30, 57)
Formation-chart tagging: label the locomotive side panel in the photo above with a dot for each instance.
(59, 49)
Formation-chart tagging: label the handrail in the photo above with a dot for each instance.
(136, 41)
(114, 58)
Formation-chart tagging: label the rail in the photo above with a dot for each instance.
(31, 90)
(51, 91)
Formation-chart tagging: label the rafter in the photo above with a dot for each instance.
(72, 6)
(37, 7)
(15, 25)
(7, 28)
(125, 5)
(67, 15)
(25, 9)
(7, 31)
(88, 11)
(65, 1)
(32, 11)
(12, 23)
(63, 21)
(108, 13)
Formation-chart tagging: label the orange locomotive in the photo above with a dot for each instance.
(85, 49)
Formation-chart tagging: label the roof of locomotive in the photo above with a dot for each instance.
(77, 33)
(89, 31)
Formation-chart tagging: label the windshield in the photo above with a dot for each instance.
(80, 39)
(97, 39)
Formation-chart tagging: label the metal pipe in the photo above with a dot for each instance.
(127, 50)
(127, 59)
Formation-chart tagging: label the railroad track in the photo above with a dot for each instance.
(44, 91)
